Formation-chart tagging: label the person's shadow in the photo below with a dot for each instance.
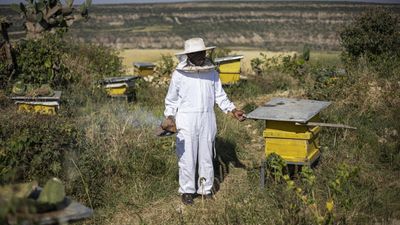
(225, 155)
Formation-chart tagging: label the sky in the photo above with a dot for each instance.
(166, 1)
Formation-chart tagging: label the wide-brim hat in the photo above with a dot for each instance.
(194, 45)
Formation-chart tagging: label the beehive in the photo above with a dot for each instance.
(229, 69)
(48, 105)
(286, 133)
(143, 68)
(120, 87)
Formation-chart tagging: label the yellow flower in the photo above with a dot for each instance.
(330, 205)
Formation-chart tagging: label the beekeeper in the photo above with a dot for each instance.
(189, 105)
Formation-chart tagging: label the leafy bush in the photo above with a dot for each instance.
(95, 61)
(40, 61)
(34, 146)
(219, 52)
(293, 65)
(60, 62)
(256, 64)
(323, 83)
(3, 74)
(374, 36)
(166, 65)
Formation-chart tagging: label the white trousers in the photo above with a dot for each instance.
(194, 140)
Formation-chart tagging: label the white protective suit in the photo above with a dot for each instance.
(190, 99)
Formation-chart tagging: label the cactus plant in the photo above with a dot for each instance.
(6, 52)
(43, 90)
(306, 53)
(19, 88)
(48, 15)
(53, 192)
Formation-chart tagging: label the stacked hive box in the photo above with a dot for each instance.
(286, 132)
(41, 104)
(120, 87)
(295, 144)
(229, 69)
(143, 68)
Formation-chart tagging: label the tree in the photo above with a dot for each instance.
(372, 34)
(48, 15)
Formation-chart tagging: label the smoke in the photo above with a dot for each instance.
(138, 118)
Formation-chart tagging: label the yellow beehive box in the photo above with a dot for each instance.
(287, 133)
(229, 69)
(120, 87)
(143, 68)
(48, 108)
(296, 144)
(114, 90)
(48, 105)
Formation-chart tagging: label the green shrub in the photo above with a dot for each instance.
(256, 64)
(34, 146)
(4, 75)
(324, 82)
(40, 61)
(375, 37)
(60, 62)
(166, 65)
(219, 52)
(100, 61)
(293, 65)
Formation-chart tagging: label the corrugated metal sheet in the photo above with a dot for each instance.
(287, 109)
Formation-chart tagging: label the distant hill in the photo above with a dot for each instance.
(4, 2)
(266, 25)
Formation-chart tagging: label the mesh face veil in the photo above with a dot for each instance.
(197, 58)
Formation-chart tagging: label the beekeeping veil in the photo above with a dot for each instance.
(194, 45)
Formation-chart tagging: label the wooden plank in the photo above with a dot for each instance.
(313, 124)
